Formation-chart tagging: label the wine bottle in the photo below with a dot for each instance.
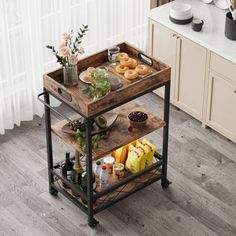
(84, 181)
(78, 169)
(84, 184)
(67, 168)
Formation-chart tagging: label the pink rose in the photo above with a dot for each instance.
(80, 49)
(62, 44)
(73, 60)
(63, 51)
(66, 36)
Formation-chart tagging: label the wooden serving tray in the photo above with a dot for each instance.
(76, 99)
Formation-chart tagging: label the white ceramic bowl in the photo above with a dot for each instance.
(182, 17)
(222, 4)
(180, 9)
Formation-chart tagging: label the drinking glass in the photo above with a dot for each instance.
(112, 54)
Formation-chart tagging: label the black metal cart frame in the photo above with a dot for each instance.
(89, 195)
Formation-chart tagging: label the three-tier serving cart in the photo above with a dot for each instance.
(95, 200)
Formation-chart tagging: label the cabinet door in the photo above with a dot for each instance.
(190, 77)
(162, 45)
(221, 106)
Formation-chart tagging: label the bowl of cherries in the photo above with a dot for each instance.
(137, 119)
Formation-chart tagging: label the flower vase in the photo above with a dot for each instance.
(70, 75)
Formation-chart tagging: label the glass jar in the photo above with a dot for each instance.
(70, 75)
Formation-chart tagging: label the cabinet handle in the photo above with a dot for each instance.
(178, 37)
(235, 91)
(174, 35)
(152, 37)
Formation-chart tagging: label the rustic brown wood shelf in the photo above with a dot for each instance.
(120, 101)
(118, 134)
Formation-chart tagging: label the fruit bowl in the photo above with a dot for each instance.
(138, 119)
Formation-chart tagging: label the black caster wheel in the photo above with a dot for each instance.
(93, 223)
(53, 191)
(165, 184)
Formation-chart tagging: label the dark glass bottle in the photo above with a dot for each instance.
(84, 181)
(67, 168)
(84, 184)
(78, 169)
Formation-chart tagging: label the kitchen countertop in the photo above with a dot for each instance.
(212, 35)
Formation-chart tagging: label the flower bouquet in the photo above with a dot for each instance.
(67, 54)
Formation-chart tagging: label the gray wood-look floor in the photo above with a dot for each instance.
(201, 200)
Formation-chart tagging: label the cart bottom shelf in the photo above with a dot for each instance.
(112, 197)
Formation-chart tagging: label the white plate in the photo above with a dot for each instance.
(222, 4)
(207, 1)
(81, 77)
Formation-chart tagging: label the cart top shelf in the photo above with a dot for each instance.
(87, 107)
(118, 134)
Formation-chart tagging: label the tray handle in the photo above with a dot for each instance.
(145, 59)
(64, 94)
(46, 104)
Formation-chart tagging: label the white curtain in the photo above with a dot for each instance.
(26, 26)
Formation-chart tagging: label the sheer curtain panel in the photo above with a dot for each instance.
(26, 26)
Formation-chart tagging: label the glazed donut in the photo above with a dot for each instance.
(131, 74)
(122, 55)
(126, 61)
(141, 69)
(121, 69)
(134, 64)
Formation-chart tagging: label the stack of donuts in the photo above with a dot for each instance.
(129, 67)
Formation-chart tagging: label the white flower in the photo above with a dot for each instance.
(66, 36)
(63, 51)
(80, 49)
(73, 60)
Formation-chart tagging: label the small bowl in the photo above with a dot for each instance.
(197, 24)
(102, 69)
(137, 124)
(115, 83)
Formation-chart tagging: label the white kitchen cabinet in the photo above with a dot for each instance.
(190, 77)
(162, 45)
(221, 109)
(187, 61)
(203, 70)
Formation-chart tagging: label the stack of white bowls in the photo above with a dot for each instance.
(181, 12)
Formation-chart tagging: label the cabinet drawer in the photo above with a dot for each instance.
(223, 67)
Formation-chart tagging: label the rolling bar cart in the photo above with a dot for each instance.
(97, 200)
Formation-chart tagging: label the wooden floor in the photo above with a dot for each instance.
(201, 200)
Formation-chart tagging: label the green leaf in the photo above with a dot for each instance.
(95, 145)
